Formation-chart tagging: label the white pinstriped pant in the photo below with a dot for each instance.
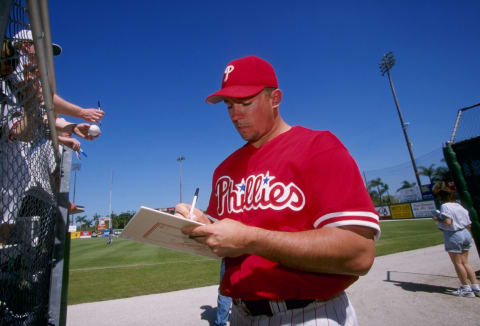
(336, 311)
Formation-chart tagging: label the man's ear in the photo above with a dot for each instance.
(276, 97)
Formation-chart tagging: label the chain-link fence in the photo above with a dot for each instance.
(463, 157)
(29, 173)
(465, 141)
(467, 124)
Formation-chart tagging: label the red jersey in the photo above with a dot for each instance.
(300, 180)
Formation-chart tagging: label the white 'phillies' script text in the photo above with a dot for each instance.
(256, 192)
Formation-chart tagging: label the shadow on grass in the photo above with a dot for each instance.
(209, 314)
(420, 287)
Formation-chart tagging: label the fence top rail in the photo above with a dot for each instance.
(469, 107)
(457, 120)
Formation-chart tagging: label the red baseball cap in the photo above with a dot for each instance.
(245, 77)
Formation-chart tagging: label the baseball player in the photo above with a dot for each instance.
(296, 225)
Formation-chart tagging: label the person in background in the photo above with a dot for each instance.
(110, 237)
(15, 174)
(223, 303)
(23, 116)
(455, 223)
(65, 107)
(66, 129)
(23, 43)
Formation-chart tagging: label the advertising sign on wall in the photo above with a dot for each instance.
(103, 223)
(409, 194)
(427, 191)
(401, 211)
(423, 208)
(85, 234)
(383, 211)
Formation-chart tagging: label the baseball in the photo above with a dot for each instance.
(94, 130)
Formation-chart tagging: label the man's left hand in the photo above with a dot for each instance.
(226, 238)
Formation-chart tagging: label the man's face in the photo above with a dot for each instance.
(253, 117)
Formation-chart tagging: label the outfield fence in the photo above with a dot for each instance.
(34, 172)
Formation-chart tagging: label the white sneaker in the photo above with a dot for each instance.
(476, 291)
(462, 292)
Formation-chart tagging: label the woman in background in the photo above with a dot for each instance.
(454, 221)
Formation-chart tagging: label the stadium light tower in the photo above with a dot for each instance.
(386, 63)
(110, 205)
(179, 160)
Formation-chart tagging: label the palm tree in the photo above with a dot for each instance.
(81, 220)
(406, 185)
(428, 172)
(385, 188)
(88, 224)
(376, 195)
(442, 173)
(124, 218)
(377, 183)
(96, 216)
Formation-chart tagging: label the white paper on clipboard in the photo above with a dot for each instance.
(162, 229)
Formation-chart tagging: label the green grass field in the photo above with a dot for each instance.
(126, 268)
(398, 236)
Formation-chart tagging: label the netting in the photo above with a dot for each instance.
(28, 188)
(467, 125)
(468, 156)
(466, 144)
(398, 184)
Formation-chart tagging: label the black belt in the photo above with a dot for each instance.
(262, 307)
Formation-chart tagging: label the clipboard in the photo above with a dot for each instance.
(163, 229)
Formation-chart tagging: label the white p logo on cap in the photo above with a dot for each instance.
(228, 70)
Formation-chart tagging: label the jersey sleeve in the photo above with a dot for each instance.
(338, 196)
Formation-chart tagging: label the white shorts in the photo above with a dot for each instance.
(336, 311)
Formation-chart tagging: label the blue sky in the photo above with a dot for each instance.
(151, 65)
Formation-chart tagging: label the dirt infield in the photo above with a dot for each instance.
(408, 288)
